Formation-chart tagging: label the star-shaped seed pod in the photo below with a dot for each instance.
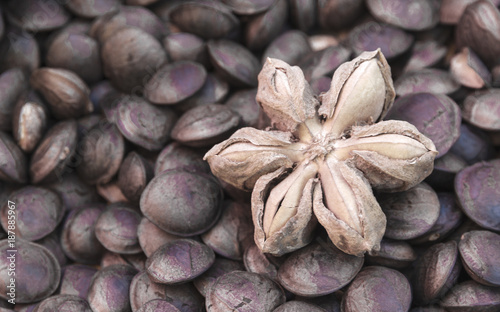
(323, 156)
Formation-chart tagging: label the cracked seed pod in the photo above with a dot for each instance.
(323, 166)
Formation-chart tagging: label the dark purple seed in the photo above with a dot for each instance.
(52, 156)
(408, 15)
(303, 14)
(479, 194)
(439, 119)
(21, 51)
(220, 267)
(53, 243)
(193, 17)
(144, 124)
(263, 28)
(116, 229)
(257, 262)
(13, 167)
(290, 47)
(393, 254)
(13, 83)
(213, 91)
(186, 47)
(90, 9)
(243, 103)
(321, 84)
(324, 62)
(190, 206)
(109, 290)
(38, 212)
(183, 296)
(450, 217)
(244, 289)
(482, 109)
(371, 36)
(37, 271)
(451, 10)
(336, 14)
(317, 270)
(179, 261)
(425, 54)
(410, 213)
(63, 303)
(73, 191)
(471, 296)
(134, 175)
(298, 306)
(76, 279)
(157, 305)
(377, 288)
(480, 253)
(479, 29)
(36, 15)
(238, 66)
(426, 80)
(152, 237)
(249, 7)
(444, 171)
(230, 236)
(111, 192)
(78, 238)
(101, 152)
(175, 82)
(98, 91)
(176, 156)
(472, 145)
(436, 272)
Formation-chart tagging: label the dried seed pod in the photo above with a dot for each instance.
(152, 237)
(13, 83)
(257, 262)
(243, 103)
(38, 211)
(190, 207)
(91, 9)
(179, 261)
(230, 236)
(135, 173)
(205, 125)
(73, 191)
(393, 254)
(236, 64)
(175, 82)
(116, 229)
(324, 62)
(66, 93)
(78, 238)
(468, 69)
(336, 14)
(477, 195)
(371, 35)
(78, 53)
(303, 14)
(101, 152)
(53, 154)
(439, 119)
(13, 167)
(138, 17)
(220, 267)
(29, 121)
(142, 123)
(480, 251)
(239, 288)
(37, 271)
(139, 57)
(109, 290)
(377, 288)
(436, 272)
(21, 50)
(176, 156)
(482, 109)
(418, 16)
(472, 296)
(76, 279)
(186, 47)
(317, 270)
(472, 145)
(263, 28)
(410, 213)
(450, 217)
(63, 303)
(183, 296)
(36, 15)
(479, 29)
(290, 47)
(213, 91)
(194, 16)
(425, 54)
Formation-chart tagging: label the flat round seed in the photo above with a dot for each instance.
(480, 253)
(482, 109)
(408, 15)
